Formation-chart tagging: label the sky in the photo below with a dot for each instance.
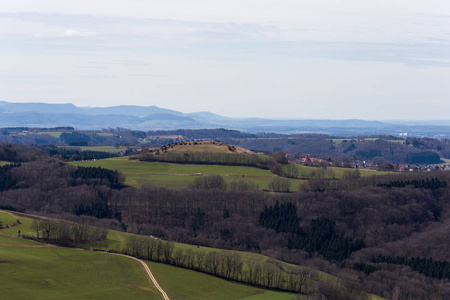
(324, 59)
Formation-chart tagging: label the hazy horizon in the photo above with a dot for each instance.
(289, 60)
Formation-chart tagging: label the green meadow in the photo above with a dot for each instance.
(182, 283)
(29, 271)
(40, 271)
(109, 149)
(6, 218)
(179, 176)
(116, 241)
(55, 134)
(179, 283)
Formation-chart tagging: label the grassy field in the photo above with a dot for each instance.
(109, 149)
(50, 272)
(178, 176)
(6, 218)
(116, 242)
(340, 171)
(30, 271)
(2, 162)
(106, 134)
(179, 283)
(187, 284)
(55, 134)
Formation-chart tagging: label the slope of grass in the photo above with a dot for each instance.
(116, 242)
(187, 284)
(179, 176)
(339, 172)
(24, 226)
(55, 134)
(6, 218)
(65, 273)
(50, 272)
(109, 149)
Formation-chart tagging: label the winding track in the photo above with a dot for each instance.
(149, 273)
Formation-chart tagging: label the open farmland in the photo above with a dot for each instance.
(104, 276)
(35, 271)
(187, 284)
(6, 218)
(339, 172)
(109, 149)
(179, 176)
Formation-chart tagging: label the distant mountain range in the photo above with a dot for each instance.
(155, 118)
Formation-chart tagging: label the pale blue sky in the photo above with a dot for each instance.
(277, 59)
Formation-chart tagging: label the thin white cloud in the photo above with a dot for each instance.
(75, 33)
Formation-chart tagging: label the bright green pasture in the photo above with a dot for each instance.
(109, 149)
(24, 226)
(12, 240)
(106, 134)
(116, 242)
(2, 162)
(39, 271)
(339, 172)
(66, 273)
(179, 176)
(7, 218)
(179, 283)
(182, 283)
(55, 134)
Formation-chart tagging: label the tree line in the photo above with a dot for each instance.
(67, 234)
(268, 274)
(73, 154)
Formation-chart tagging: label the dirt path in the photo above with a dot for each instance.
(149, 273)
